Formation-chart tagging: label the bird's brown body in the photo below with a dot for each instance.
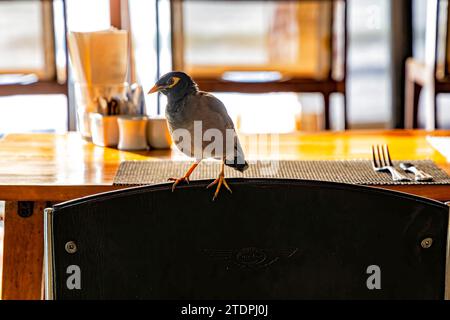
(200, 125)
(210, 114)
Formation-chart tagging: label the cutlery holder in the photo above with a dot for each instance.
(87, 102)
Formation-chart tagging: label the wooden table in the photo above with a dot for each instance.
(39, 169)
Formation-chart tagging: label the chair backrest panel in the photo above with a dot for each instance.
(274, 239)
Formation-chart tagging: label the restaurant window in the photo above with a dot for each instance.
(26, 47)
(33, 59)
(28, 68)
(369, 60)
(244, 46)
(146, 44)
(368, 79)
(253, 41)
(286, 37)
(258, 41)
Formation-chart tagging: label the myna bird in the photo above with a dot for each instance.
(187, 107)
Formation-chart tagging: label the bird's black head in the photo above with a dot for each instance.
(175, 84)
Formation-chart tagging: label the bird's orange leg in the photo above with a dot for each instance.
(219, 181)
(176, 181)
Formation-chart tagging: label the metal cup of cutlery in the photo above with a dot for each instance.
(381, 161)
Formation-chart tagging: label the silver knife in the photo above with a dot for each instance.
(419, 174)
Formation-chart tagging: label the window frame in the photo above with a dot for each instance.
(295, 84)
(48, 82)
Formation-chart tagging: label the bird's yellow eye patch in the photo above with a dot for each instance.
(174, 82)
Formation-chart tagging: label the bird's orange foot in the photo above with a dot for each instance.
(176, 181)
(219, 181)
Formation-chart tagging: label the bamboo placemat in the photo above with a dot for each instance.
(344, 171)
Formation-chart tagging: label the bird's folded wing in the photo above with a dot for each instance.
(208, 102)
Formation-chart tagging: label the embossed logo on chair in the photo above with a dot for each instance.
(250, 257)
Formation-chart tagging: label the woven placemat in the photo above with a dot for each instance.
(344, 171)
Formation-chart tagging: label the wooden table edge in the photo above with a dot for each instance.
(439, 192)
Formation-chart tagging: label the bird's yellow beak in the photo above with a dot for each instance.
(154, 89)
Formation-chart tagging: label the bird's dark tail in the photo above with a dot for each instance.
(238, 165)
(238, 157)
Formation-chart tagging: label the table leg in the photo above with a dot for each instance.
(23, 250)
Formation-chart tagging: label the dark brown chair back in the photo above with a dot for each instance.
(270, 239)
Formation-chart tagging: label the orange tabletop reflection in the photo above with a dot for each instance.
(60, 167)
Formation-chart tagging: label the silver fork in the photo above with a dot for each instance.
(381, 161)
